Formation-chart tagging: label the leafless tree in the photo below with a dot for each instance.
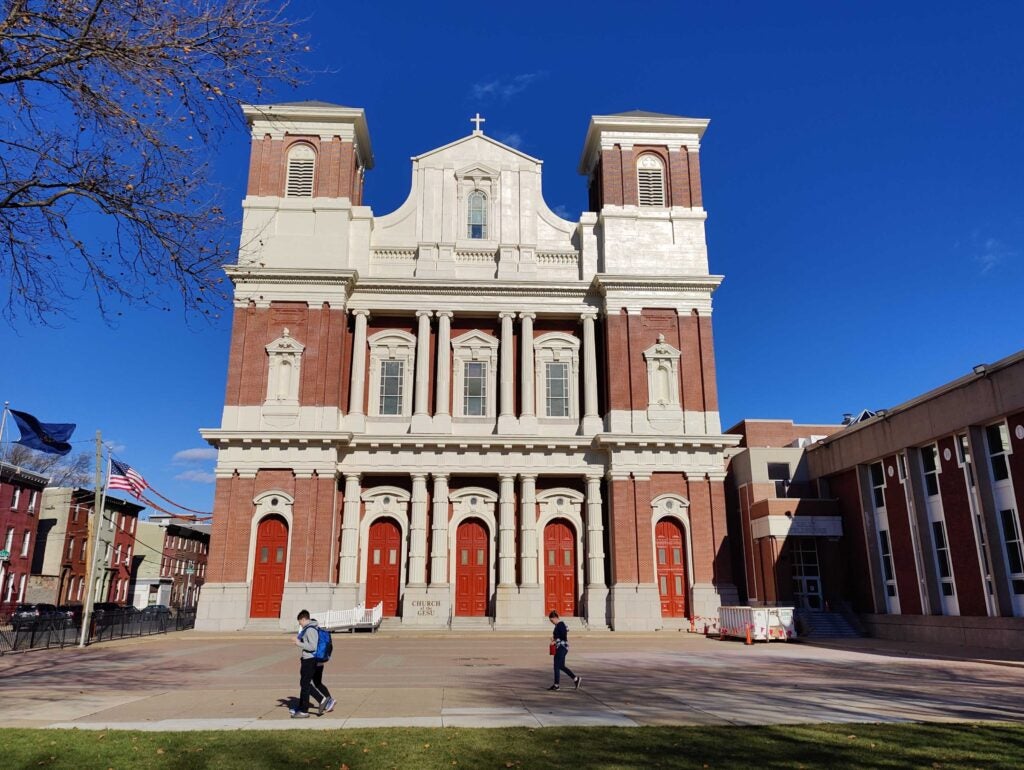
(110, 111)
(62, 470)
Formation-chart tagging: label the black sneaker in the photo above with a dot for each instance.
(554, 687)
(578, 680)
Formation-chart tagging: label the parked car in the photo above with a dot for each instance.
(107, 611)
(72, 611)
(27, 615)
(156, 611)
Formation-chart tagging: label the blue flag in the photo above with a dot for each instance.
(51, 437)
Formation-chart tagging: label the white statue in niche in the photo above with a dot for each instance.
(663, 404)
(284, 362)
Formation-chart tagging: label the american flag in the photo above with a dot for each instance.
(124, 476)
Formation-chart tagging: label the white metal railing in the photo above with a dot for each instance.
(358, 617)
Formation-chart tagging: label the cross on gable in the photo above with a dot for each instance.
(478, 120)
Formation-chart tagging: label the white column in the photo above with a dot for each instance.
(506, 417)
(595, 533)
(350, 529)
(529, 397)
(507, 532)
(442, 411)
(358, 384)
(418, 531)
(439, 532)
(591, 419)
(528, 529)
(420, 416)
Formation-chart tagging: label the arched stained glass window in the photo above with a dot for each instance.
(477, 215)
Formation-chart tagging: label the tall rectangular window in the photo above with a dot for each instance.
(9, 540)
(25, 540)
(929, 457)
(474, 389)
(557, 387)
(878, 485)
(16, 499)
(942, 558)
(391, 378)
(998, 442)
(887, 569)
(1014, 550)
(32, 501)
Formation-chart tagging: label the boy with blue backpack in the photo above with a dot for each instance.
(316, 646)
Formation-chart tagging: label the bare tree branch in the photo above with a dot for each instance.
(108, 109)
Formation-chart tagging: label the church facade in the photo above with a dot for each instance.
(470, 409)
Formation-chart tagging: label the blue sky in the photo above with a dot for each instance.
(862, 175)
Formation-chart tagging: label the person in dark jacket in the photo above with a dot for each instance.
(560, 638)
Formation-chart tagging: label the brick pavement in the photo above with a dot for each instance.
(192, 680)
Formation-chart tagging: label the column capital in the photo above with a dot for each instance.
(528, 476)
(617, 475)
(424, 313)
(419, 477)
(360, 312)
(507, 477)
(528, 314)
(445, 314)
(509, 314)
(440, 476)
(352, 476)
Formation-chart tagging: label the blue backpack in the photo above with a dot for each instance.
(324, 645)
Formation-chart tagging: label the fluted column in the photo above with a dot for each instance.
(529, 398)
(350, 529)
(507, 532)
(418, 531)
(528, 529)
(506, 416)
(439, 532)
(595, 533)
(358, 384)
(591, 419)
(442, 410)
(421, 415)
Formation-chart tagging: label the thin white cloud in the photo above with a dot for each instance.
(201, 477)
(200, 454)
(993, 253)
(512, 140)
(505, 89)
(563, 212)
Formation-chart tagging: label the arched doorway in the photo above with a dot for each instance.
(472, 554)
(560, 569)
(384, 565)
(268, 573)
(670, 551)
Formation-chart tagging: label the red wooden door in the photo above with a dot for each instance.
(559, 569)
(671, 557)
(384, 565)
(472, 554)
(269, 570)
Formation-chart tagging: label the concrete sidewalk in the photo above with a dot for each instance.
(191, 680)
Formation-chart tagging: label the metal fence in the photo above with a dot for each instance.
(47, 633)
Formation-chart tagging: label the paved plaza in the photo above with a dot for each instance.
(191, 680)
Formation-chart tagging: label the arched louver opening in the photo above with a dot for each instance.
(650, 181)
(477, 215)
(301, 165)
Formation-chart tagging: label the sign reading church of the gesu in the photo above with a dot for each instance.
(470, 407)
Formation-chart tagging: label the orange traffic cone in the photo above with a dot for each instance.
(749, 640)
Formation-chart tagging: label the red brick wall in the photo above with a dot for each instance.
(618, 360)
(901, 541)
(845, 487)
(960, 535)
(622, 531)
(696, 195)
(679, 176)
(778, 433)
(336, 174)
(610, 172)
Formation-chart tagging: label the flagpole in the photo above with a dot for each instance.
(3, 424)
(92, 547)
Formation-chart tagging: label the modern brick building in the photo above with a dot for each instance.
(931, 494)
(20, 493)
(470, 409)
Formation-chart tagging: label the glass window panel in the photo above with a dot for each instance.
(280, 554)
(264, 555)
(551, 558)
(679, 585)
(393, 556)
(477, 215)
(663, 585)
(464, 556)
(475, 389)
(480, 557)
(677, 555)
(1011, 536)
(376, 556)
(557, 389)
(661, 556)
(567, 558)
(391, 384)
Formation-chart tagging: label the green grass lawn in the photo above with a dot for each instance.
(566, 748)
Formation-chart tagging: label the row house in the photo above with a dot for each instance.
(59, 564)
(20, 494)
(170, 566)
(931, 494)
(470, 409)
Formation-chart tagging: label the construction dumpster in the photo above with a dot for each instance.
(766, 624)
